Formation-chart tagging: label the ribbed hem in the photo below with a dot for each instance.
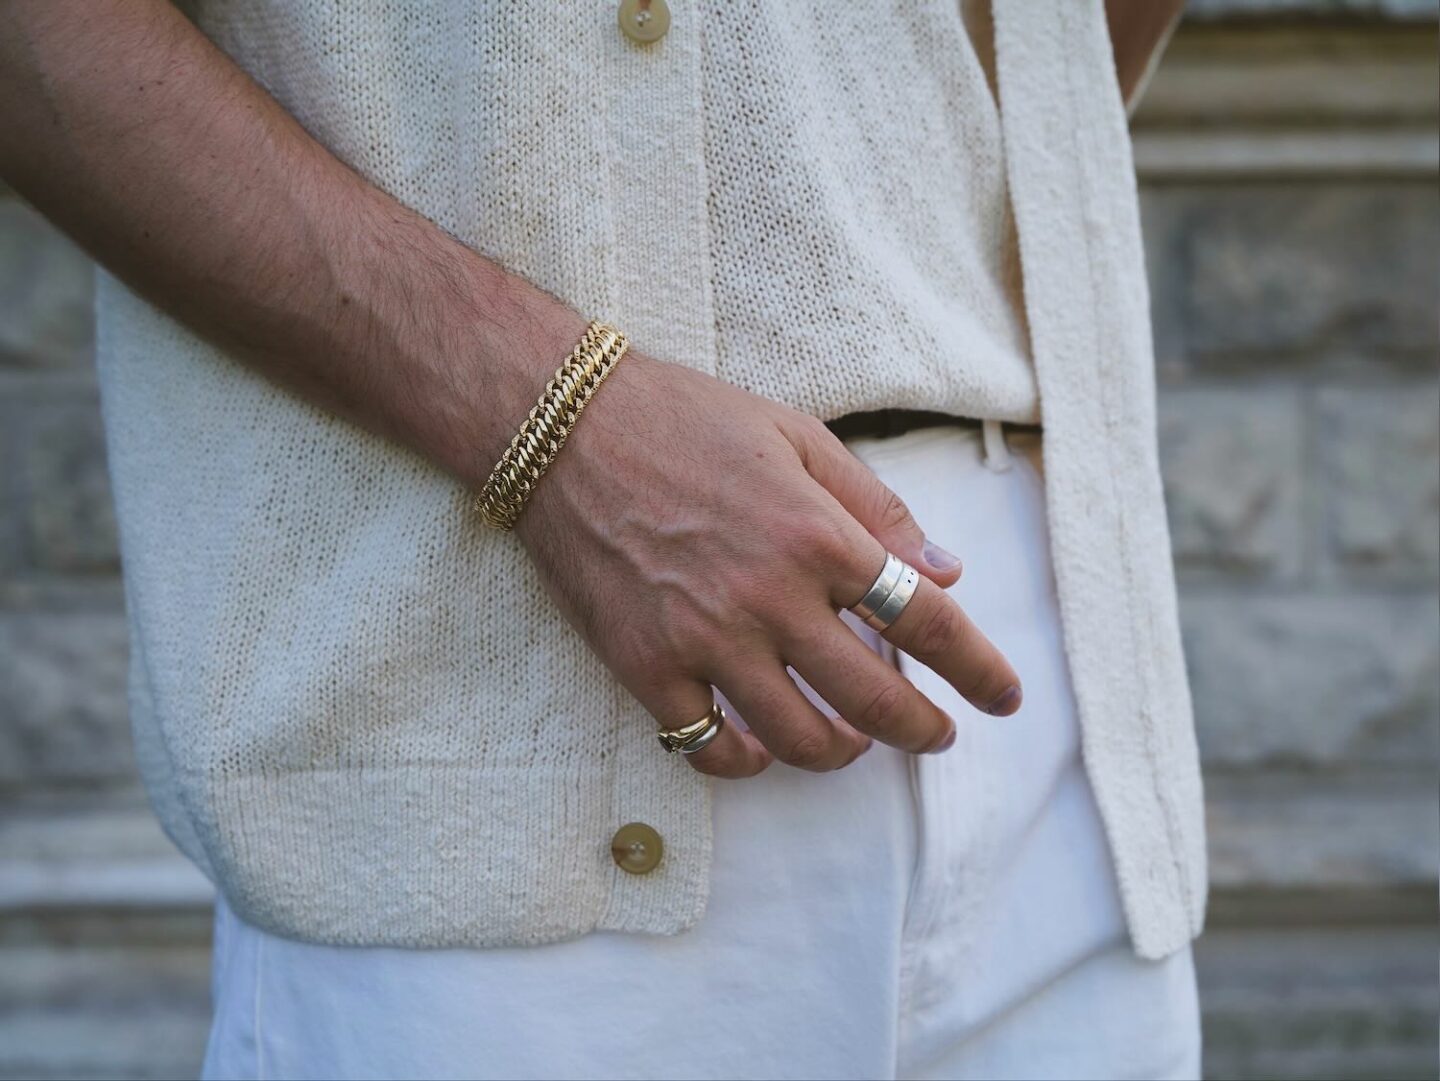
(448, 856)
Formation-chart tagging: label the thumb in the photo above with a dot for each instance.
(871, 503)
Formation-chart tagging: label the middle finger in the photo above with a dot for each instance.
(936, 632)
(868, 692)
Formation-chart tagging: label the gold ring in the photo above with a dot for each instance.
(695, 735)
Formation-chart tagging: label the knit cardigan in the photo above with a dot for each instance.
(335, 721)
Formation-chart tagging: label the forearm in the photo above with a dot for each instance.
(1138, 31)
(132, 132)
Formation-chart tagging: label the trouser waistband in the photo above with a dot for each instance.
(892, 423)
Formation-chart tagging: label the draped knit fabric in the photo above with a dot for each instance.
(823, 203)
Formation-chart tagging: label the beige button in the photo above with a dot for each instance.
(637, 848)
(644, 21)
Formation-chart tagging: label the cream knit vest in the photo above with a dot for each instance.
(810, 200)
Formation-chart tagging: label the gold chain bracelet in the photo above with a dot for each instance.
(549, 424)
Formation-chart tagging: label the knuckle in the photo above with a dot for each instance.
(811, 538)
(647, 665)
(667, 634)
(807, 750)
(744, 597)
(883, 710)
(940, 634)
(658, 661)
(795, 632)
(809, 430)
(893, 513)
(794, 536)
(829, 543)
(714, 643)
(815, 429)
(686, 632)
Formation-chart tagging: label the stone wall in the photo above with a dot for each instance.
(1293, 234)
(1289, 172)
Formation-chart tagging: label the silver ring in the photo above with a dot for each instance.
(890, 610)
(884, 585)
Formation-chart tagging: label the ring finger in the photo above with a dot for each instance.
(788, 725)
(732, 753)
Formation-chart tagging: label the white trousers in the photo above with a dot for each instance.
(941, 916)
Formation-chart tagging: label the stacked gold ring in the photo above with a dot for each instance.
(549, 424)
(696, 735)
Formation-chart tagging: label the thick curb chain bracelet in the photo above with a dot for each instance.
(549, 424)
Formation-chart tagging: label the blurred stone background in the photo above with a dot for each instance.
(1288, 157)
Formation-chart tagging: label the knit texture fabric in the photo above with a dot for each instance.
(335, 718)
(859, 212)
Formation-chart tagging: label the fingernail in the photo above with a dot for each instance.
(1006, 704)
(940, 559)
(949, 742)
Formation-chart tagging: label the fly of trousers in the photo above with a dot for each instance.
(939, 916)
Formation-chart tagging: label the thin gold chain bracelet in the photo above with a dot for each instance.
(549, 424)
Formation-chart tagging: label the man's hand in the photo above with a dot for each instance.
(699, 535)
(696, 534)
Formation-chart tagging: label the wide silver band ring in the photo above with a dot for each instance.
(894, 604)
(887, 598)
(884, 585)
